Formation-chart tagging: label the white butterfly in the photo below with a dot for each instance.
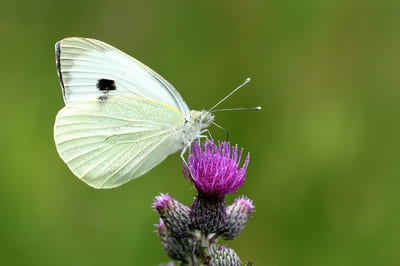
(120, 117)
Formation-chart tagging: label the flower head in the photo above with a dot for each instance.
(214, 169)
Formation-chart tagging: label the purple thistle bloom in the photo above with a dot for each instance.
(214, 169)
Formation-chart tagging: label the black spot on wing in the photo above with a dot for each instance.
(58, 65)
(106, 85)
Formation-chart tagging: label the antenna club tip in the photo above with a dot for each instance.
(258, 108)
(248, 79)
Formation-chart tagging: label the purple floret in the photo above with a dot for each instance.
(214, 169)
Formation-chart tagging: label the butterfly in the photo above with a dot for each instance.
(120, 118)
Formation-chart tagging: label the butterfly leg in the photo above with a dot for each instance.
(182, 155)
(208, 133)
(186, 165)
(206, 137)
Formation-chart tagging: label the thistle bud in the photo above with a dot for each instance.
(176, 248)
(237, 215)
(174, 214)
(224, 256)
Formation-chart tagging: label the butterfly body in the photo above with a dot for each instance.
(121, 118)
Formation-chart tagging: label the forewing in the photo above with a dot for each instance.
(107, 143)
(90, 68)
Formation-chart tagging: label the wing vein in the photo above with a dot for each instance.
(128, 161)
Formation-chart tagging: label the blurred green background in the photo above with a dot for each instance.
(324, 170)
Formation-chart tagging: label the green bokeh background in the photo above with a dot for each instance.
(324, 170)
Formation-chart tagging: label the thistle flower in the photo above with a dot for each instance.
(214, 169)
(237, 215)
(174, 214)
(190, 235)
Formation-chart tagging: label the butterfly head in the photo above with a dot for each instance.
(201, 118)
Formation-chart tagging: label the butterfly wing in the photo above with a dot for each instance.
(107, 143)
(89, 68)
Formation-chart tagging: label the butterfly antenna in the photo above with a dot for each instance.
(232, 92)
(223, 129)
(257, 108)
